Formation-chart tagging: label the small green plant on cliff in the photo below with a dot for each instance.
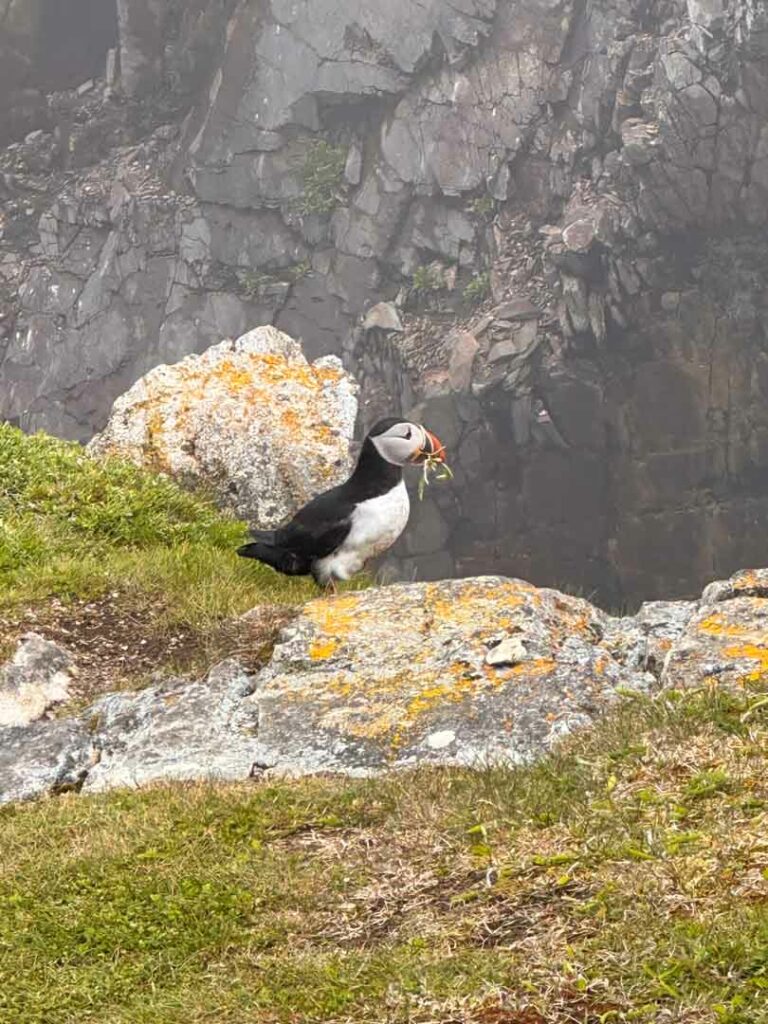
(427, 278)
(298, 271)
(321, 177)
(483, 206)
(478, 288)
(252, 282)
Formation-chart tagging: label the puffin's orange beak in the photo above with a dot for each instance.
(434, 448)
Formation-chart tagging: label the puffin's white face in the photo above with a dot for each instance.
(404, 442)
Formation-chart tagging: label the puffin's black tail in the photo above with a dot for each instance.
(287, 562)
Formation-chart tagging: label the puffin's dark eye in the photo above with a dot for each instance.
(408, 434)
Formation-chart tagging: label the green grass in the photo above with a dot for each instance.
(478, 288)
(622, 879)
(322, 177)
(74, 527)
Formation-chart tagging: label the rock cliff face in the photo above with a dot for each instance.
(565, 201)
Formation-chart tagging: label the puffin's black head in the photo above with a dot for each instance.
(400, 442)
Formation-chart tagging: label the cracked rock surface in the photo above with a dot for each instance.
(462, 672)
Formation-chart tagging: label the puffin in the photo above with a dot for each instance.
(333, 536)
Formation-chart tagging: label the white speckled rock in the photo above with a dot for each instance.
(35, 679)
(250, 418)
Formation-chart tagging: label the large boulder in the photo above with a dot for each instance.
(725, 643)
(250, 418)
(457, 672)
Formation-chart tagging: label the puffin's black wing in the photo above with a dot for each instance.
(321, 527)
(317, 530)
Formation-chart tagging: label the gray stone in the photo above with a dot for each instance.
(511, 651)
(517, 309)
(43, 758)
(35, 679)
(384, 316)
(353, 168)
(463, 350)
(520, 345)
(177, 731)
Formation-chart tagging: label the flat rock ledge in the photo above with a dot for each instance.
(462, 672)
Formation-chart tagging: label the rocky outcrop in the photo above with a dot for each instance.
(726, 641)
(591, 177)
(34, 680)
(462, 672)
(249, 419)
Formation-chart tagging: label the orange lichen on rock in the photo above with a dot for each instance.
(715, 626)
(321, 649)
(754, 652)
(334, 616)
(463, 609)
(251, 417)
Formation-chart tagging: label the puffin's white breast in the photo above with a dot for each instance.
(376, 525)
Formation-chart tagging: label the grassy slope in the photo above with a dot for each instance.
(621, 880)
(71, 527)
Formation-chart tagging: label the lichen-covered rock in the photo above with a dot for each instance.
(726, 641)
(643, 641)
(35, 679)
(747, 583)
(251, 418)
(457, 672)
(461, 672)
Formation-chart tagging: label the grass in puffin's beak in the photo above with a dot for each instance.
(433, 465)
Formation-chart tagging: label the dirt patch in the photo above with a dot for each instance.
(569, 1007)
(115, 642)
(120, 644)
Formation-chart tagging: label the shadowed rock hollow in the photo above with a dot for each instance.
(565, 202)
